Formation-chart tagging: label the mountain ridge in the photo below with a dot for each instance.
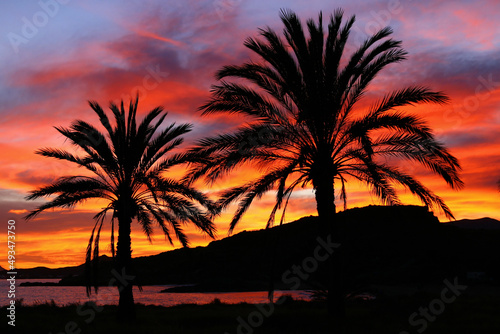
(485, 223)
(384, 244)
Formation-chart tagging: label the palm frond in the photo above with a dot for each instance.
(128, 161)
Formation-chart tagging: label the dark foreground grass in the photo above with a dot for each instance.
(466, 315)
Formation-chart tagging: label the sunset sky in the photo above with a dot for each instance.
(54, 56)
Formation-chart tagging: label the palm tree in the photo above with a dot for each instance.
(127, 164)
(300, 100)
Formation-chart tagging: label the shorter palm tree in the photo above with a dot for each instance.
(128, 164)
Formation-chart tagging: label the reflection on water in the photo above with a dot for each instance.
(150, 295)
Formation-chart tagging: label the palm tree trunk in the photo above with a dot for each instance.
(126, 307)
(329, 229)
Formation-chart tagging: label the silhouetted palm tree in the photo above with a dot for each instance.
(304, 129)
(128, 163)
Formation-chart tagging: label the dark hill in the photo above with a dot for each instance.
(44, 272)
(482, 223)
(383, 245)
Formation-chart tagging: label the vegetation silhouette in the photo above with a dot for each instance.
(128, 163)
(300, 98)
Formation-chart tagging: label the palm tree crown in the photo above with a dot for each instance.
(127, 164)
(301, 98)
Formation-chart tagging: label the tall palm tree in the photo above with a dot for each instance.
(300, 98)
(127, 164)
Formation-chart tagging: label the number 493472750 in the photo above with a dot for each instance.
(11, 237)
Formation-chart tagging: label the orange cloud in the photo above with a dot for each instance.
(18, 212)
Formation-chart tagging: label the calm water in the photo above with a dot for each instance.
(150, 295)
